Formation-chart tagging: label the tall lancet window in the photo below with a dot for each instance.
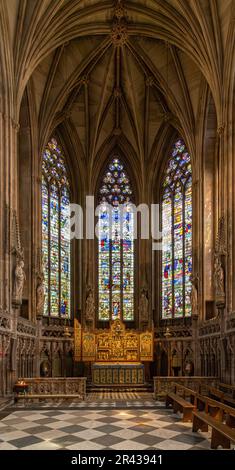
(55, 231)
(115, 245)
(177, 234)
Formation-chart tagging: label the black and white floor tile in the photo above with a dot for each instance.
(94, 401)
(97, 429)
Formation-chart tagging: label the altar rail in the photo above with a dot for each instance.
(163, 385)
(57, 386)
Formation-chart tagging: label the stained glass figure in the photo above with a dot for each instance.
(55, 232)
(116, 245)
(177, 234)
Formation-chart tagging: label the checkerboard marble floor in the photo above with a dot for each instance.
(97, 429)
(86, 404)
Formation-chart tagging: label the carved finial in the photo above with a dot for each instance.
(220, 244)
(16, 247)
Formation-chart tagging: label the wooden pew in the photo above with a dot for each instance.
(185, 392)
(204, 403)
(228, 389)
(210, 406)
(215, 393)
(220, 395)
(179, 404)
(221, 433)
(217, 415)
(229, 401)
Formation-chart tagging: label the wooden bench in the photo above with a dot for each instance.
(210, 406)
(228, 389)
(229, 401)
(185, 392)
(179, 404)
(221, 434)
(216, 409)
(215, 393)
(221, 396)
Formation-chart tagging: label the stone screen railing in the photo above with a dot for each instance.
(162, 385)
(57, 386)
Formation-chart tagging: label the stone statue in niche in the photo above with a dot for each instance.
(219, 277)
(144, 305)
(40, 295)
(194, 295)
(45, 369)
(19, 279)
(90, 306)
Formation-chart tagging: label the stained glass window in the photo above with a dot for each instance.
(177, 234)
(55, 231)
(116, 245)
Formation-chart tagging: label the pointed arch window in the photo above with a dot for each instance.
(115, 245)
(55, 232)
(176, 208)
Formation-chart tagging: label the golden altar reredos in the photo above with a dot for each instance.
(116, 344)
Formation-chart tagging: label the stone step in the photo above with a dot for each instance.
(119, 388)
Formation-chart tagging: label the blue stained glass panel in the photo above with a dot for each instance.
(116, 246)
(45, 242)
(167, 303)
(56, 232)
(177, 234)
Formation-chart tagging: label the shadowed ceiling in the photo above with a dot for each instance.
(119, 69)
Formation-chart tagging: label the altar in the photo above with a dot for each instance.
(111, 373)
(117, 354)
(116, 344)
